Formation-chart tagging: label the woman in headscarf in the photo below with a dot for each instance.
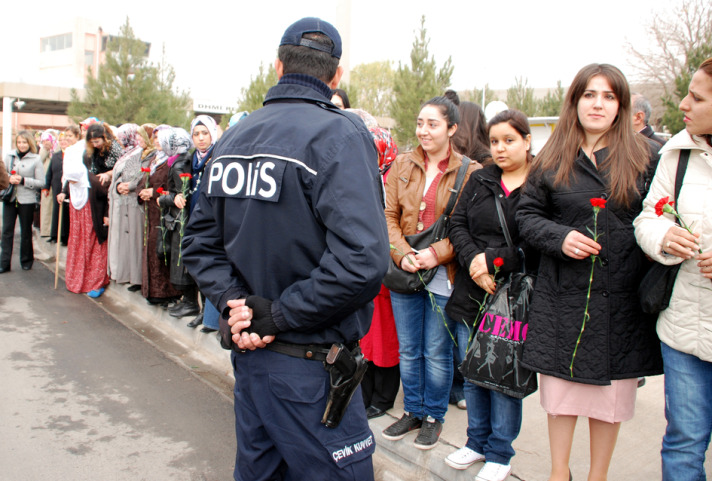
(102, 150)
(156, 286)
(175, 142)
(125, 215)
(204, 131)
(50, 145)
(87, 249)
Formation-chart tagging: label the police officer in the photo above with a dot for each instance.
(289, 241)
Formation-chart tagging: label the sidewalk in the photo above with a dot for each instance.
(637, 455)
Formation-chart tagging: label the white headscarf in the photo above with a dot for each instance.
(209, 123)
(75, 172)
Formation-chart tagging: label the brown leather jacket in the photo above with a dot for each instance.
(404, 192)
(4, 176)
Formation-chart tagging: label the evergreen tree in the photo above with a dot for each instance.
(252, 97)
(672, 116)
(521, 97)
(475, 95)
(371, 87)
(415, 84)
(128, 88)
(550, 105)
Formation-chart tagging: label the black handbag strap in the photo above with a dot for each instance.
(680, 175)
(502, 222)
(454, 191)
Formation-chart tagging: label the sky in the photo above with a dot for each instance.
(216, 46)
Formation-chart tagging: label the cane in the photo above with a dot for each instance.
(59, 237)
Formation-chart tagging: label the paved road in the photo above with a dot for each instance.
(84, 398)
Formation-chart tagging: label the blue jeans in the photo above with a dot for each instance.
(688, 410)
(493, 419)
(425, 353)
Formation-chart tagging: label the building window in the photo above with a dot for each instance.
(89, 58)
(56, 42)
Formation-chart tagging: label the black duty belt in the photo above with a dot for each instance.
(313, 352)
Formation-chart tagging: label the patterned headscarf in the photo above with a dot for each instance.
(209, 123)
(126, 135)
(146, 136)
(53, 138)
(387, 149)
(237, 117)
(174, 141)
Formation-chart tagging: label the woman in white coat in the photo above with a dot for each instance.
(685, 327)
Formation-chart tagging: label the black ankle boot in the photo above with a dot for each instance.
(196, 322)
(186, 309)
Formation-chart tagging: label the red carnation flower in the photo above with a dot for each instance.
(186, 175)
(160, 191)
(598, 202)
(498, 262)
(145, 169)
(13, 172)
(660, 205)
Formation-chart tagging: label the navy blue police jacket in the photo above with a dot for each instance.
(291, 210)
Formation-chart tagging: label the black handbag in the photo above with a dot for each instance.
(6, 193)
(403, 282)
(655, 290)
(493, 360)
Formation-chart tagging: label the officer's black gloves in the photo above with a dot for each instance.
(262, 322)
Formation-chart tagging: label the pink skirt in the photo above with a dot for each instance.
(612, 404)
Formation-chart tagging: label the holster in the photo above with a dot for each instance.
(346, 370)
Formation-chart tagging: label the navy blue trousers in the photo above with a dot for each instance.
(279, 403)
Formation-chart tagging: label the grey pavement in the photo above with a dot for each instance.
(637, 454)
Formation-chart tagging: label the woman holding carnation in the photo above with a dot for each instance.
(126, 219)
(494, 418)
(418, 189)
(583, 191)
(27, 176)
(685, 327)
(176, 144)
(156, 286)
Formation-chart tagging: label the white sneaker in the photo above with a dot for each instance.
(463, 458)
(493, 472)
(462, 404)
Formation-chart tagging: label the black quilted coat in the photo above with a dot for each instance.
(619, 341)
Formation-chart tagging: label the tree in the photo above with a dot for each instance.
(672, 116)
(550, 105)
(251, 98)
(128, 88)
(676, 37)
(372, 87)
(475, 95)
(414, 84)
(521, 97)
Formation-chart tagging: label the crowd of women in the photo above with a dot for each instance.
(588, 215)
(119, 199)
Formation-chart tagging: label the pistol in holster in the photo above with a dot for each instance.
(346, 369)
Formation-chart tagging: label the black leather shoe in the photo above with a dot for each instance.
(178, 305)
(134, 287)
(4, 269)
(26, 268)
(207, 330)
(186, 309)
(52, 241)
(374, 412)
(196, 322)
